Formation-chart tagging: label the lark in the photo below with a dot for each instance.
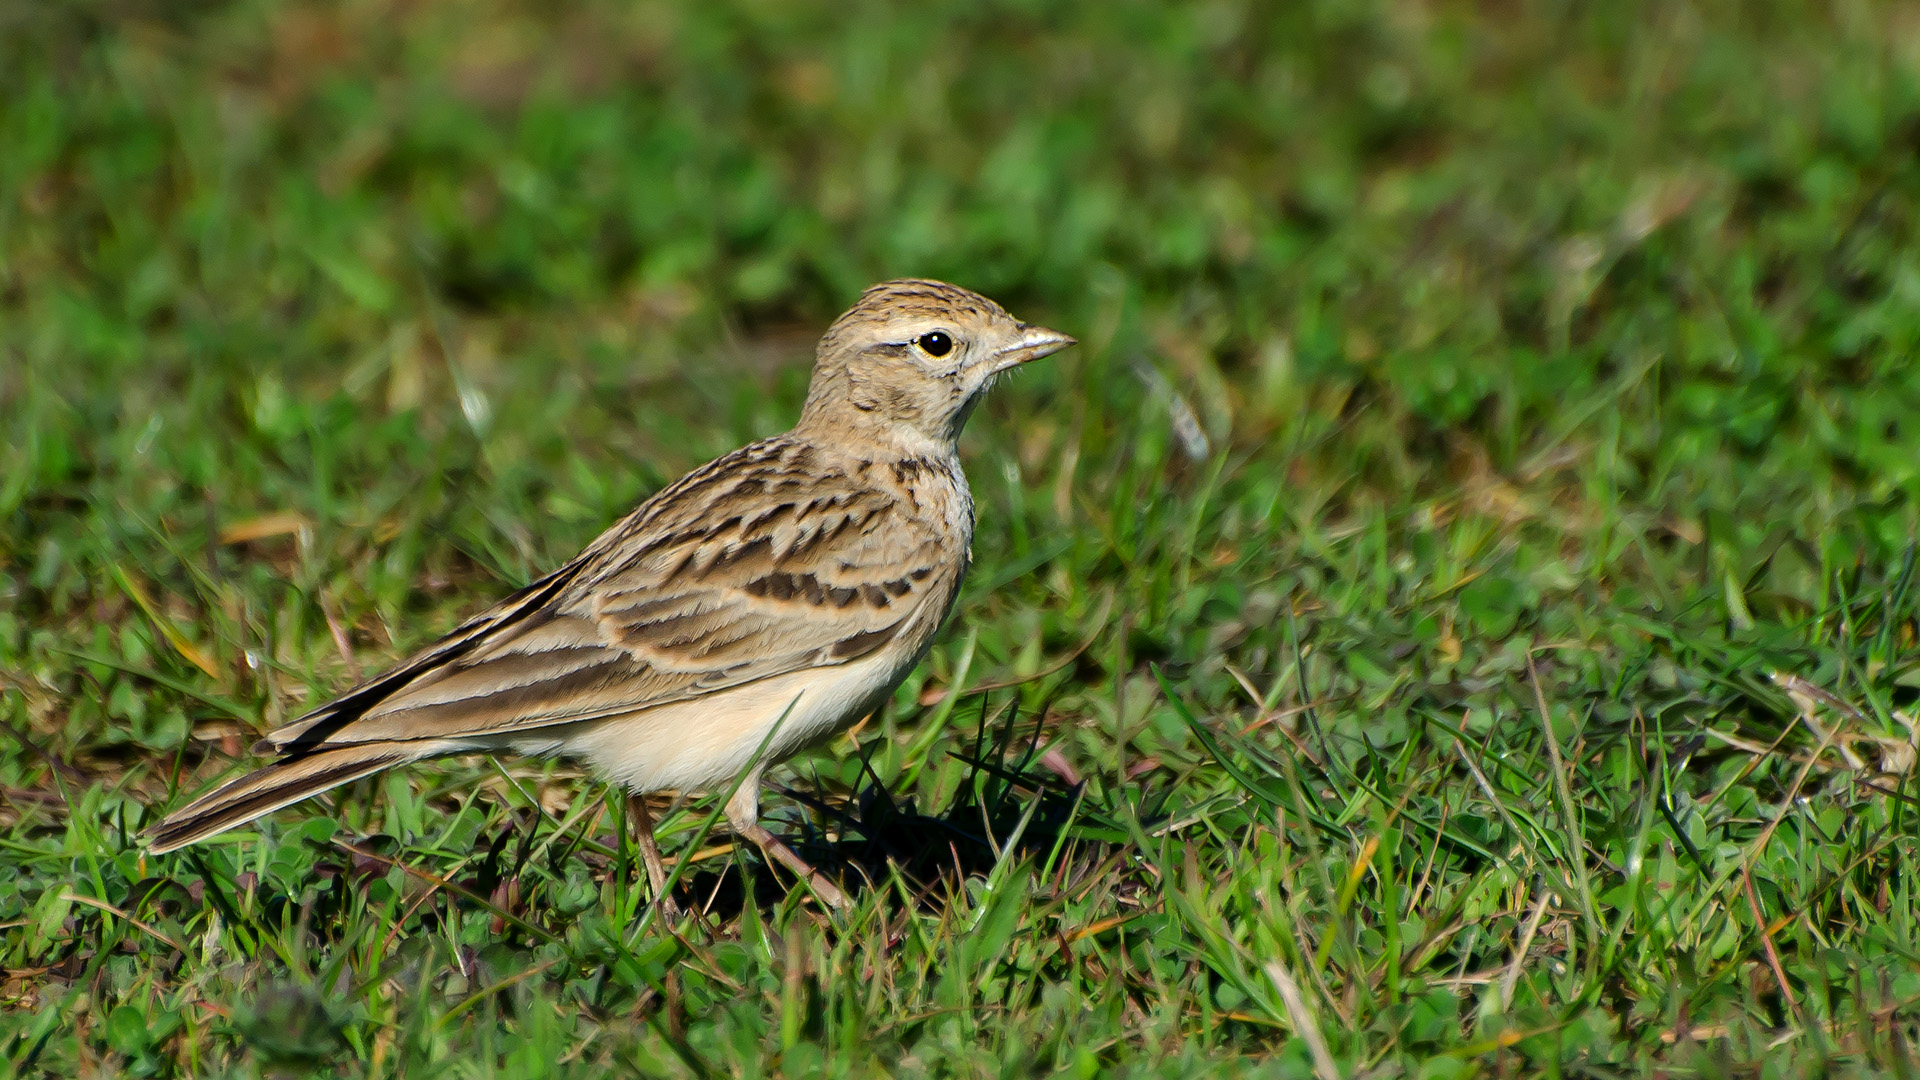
(754, 607)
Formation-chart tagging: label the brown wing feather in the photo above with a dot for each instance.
(760, 564)
(315, 727)
(269, 788)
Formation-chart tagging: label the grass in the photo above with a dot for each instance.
(1454, 615)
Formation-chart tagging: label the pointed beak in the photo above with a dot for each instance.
(1034, 343)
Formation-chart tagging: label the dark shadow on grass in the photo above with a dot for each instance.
(866, 839)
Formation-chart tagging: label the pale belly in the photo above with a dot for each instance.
(707, 742)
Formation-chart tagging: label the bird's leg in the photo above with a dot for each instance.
(743, 813)
(642, 820)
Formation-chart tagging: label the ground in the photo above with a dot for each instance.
(1454, 612)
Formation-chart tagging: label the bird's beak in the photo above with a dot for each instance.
(1034, 343)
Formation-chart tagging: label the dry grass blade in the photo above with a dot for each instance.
(144, 927)
(1304, 1024)
(1520, 947)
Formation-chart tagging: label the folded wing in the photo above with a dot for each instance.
(758, 565)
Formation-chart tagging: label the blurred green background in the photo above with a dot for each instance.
(1453, 376)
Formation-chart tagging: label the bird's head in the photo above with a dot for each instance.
(907, 363)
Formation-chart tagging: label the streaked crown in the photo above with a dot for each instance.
(906, 300)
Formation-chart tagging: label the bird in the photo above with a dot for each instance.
(758, 605)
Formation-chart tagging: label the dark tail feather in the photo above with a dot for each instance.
(267, 789)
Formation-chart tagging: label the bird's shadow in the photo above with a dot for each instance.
(875, 839)
(1006, 808)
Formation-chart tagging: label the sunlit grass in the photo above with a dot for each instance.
(1454, 613)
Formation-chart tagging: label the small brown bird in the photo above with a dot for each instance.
(767, 599)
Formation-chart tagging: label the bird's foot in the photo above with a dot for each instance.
(650, 856)
(827, 891)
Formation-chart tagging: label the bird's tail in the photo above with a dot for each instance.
(271, 787)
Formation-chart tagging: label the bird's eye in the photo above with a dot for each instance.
(936, 343)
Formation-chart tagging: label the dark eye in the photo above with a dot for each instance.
(936, 343)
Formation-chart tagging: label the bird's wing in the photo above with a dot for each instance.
(760, 564)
